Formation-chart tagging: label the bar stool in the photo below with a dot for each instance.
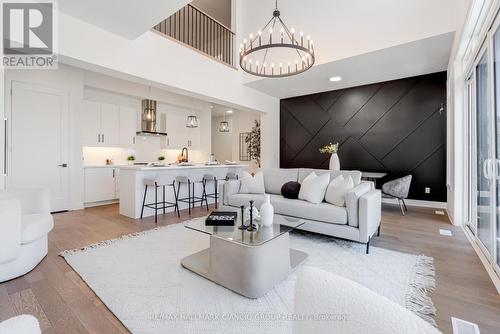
(158, 182)
(211, 178)
(231, 176)
(192, 198)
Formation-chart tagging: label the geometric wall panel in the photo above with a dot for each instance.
(396, 127)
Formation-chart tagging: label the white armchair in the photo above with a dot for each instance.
(25, 222)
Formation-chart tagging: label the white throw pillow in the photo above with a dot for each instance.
(313, 187)
(337, 189)
(252, 184)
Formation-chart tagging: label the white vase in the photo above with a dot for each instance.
(334, 162)
(266, 212)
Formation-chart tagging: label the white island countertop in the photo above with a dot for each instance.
(174, 166)
(133, 181)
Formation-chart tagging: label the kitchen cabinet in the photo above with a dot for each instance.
(193, 137)
(128, 126)
(101, 184)
(101, 124)
(178, 135)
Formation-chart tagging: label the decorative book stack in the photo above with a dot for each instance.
(221, 218)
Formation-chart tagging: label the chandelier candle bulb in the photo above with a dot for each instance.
(270, 35)
(260, 38)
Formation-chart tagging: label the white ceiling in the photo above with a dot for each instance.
(127, 18)
(419, 57)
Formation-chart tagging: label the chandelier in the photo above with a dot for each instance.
(276, 51)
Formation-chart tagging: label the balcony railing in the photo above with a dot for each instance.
(192, 27)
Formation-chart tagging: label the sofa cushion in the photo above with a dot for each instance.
(355, 174)
(323, 212)
(274, 178)
(290, 190)
(352, 202)
(335, 194)
(252, 184)
(35, 226)
(238, 200)
(313, 188)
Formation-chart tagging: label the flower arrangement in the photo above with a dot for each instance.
(329, 149)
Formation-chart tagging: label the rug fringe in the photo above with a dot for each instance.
(422, 282)
(109, 242)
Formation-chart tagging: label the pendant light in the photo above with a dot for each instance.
(224, 125)
(192, 120)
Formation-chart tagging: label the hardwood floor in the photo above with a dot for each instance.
(63, 303)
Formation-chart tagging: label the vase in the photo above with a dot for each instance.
(334, 162)
(266, 212)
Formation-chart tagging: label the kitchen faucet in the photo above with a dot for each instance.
(182, 157)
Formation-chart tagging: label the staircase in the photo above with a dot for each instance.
(194, 28)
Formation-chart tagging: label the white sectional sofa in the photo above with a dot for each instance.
(358, 221)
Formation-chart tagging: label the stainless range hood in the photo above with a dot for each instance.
(148, 119)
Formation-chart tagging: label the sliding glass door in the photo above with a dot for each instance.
(496, 131)
(483, 154)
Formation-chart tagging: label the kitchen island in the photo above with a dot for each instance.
(132, 184)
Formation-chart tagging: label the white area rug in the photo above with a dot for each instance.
(140, 279)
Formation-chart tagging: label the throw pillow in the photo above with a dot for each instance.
(337, 189)
(313, 187)
(252, 184)
(290, 190)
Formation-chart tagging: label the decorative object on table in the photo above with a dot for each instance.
(109, 162)
(131, 159)
(271, 48)
(253, 141)
(290, 190)
(255, 215)
(221, 218)
(266, 212)
(398, 188)
(334, 158)
(251, 226)
(244, 147)
(242, 226)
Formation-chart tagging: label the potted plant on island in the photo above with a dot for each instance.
(161, 159)
(130, 159)
(334, 158)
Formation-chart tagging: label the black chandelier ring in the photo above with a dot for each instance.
(281, 71)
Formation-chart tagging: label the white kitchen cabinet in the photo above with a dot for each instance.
(193, 137)
(101, 124)
(110, 124)
(101, 184)
(91, 124)
(128, 126)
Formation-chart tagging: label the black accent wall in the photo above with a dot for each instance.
(396, 127)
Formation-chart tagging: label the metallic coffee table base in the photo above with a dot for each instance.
(250, 271)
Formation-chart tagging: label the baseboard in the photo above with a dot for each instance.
(486, 264)
(89, 205)
(419, 203)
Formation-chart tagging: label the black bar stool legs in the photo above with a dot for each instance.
(164, 204)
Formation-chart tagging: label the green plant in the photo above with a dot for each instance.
(130, 158)
(161, 158)
(329, 149)
(253, 142)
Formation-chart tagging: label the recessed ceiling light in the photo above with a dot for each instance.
(335, 79)
(229, 111)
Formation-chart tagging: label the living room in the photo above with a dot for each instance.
(234, 166)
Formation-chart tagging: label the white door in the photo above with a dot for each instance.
(91, 123)
(99, 184)
(39, 141)
(110, 124)
(128, 126)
